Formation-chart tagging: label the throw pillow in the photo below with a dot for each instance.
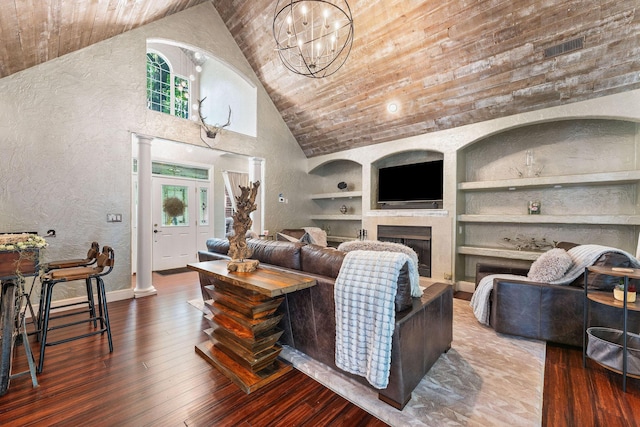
(550, 266)
(375, 245)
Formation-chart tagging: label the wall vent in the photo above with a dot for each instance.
(565, 47)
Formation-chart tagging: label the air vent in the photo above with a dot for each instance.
(565, 47)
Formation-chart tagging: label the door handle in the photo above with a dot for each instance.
(157, 231)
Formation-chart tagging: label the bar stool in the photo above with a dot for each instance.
(104, 265)
(92, 256)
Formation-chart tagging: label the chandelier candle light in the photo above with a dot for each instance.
(313, 37)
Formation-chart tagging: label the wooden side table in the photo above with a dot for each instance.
(606, 298)
(244, 331)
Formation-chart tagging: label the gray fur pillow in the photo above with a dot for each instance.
(551, 265)
(375, 245)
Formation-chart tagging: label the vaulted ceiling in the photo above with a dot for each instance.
(446, 63)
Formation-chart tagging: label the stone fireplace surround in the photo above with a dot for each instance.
(416, 237)
(438, 221)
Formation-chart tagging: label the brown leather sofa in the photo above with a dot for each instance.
(423, 329)
(552, 312)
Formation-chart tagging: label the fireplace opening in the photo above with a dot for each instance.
(417, 238)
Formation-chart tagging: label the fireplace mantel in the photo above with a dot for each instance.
(407, 212)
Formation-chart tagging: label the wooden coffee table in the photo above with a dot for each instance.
(244, 331)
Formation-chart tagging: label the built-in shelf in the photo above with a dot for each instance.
(337, 195)
(553, 219)
(338, 217)
(499, 253)
(602, 178)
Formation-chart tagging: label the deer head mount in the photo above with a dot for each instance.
(212, 131)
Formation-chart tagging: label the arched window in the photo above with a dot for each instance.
(166, 91)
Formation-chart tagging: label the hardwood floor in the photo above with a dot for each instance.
(591, 396)
(155, 378)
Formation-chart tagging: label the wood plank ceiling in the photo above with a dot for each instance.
(36, 31)
(446, 63)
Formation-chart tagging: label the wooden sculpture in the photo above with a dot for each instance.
(238, 249)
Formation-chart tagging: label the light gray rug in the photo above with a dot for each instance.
(486, 379)
(199, 304)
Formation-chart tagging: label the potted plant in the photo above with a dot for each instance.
(618, 292)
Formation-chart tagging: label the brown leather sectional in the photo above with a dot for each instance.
(423, 329)
(552, 312)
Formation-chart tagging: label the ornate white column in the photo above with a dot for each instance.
(144, 281)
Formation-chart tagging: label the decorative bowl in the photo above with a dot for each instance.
(619, 295)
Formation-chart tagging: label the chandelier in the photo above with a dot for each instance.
(313, 37)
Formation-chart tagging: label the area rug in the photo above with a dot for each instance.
(199, 304)
(485, 379)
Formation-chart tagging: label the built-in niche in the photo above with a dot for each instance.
(408, 180)
(582, 174)
(337, 199)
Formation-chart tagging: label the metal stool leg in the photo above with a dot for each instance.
(41, 305)
(45, 324)
(104, 311)
(92, 306)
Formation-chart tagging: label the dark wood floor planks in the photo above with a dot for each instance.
(591, 396)
(155, 378)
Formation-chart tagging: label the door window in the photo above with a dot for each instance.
(175, 205)
(204, 205)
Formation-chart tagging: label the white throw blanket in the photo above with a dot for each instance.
(582, 256)
(375, 245)
(480, 298)
(365, 292)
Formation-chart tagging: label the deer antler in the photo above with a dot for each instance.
(212, 131)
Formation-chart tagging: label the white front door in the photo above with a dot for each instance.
(180, 219)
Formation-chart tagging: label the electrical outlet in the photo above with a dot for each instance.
(114, 217)
(447, 276)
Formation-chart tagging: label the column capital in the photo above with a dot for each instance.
(144, 139)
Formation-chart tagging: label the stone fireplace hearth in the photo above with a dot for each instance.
(416, 237)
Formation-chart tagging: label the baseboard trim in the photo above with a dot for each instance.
(465, 286)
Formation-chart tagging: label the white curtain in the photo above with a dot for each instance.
(232, 182)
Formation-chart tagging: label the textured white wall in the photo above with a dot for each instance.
(66, 139)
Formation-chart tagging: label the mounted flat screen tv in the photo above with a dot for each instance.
(418, 182)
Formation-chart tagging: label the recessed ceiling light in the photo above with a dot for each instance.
(392, 107)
